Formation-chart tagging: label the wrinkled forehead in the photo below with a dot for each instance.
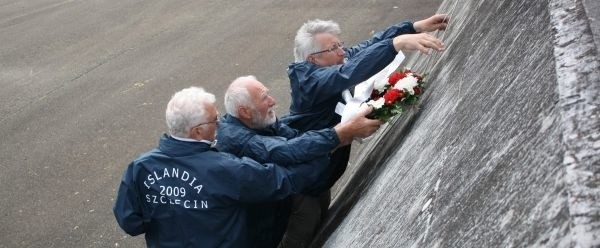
(257, 89)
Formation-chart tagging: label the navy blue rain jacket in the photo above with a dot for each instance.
(316, 90)
(283, 146)
(185, 194)
(277, 143)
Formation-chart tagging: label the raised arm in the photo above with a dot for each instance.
(435, 22)
(326, 82)
(388, 33)
(309, 145)
(305, 147)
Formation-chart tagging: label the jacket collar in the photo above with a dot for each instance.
(230, 119)
(268, 131)
(173, 147)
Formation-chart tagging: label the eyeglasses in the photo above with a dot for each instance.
(335, 47)
(215, 121)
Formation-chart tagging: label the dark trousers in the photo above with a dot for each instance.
(305, 219)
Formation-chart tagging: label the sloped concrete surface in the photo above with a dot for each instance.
(503, 150)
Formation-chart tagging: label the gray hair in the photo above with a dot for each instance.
(238, 95)
(305, 44)
(186, 109)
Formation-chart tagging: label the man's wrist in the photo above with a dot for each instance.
(342, 133)
(416, 27)
(392, 46)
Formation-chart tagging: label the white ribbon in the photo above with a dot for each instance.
(362, 91)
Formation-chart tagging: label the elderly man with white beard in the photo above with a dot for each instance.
(250, 128)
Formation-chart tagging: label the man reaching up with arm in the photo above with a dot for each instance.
(324, 68)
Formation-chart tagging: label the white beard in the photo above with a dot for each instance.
(263, 122)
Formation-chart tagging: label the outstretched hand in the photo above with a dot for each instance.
(435, 22)
(421, 42)
(358, 127)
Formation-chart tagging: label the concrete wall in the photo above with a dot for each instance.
(503, 150)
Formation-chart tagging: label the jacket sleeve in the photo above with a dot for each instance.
(303, 148)
(127, 207)
(286, 131)
(330, 81)
(388, 33)
(271, 182)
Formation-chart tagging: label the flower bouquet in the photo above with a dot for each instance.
(392, 96)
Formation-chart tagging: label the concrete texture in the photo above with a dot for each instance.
(83, 87)
(503, 150)
(592, 16)
(578, 80)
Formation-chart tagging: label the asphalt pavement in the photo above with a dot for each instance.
(84, 84)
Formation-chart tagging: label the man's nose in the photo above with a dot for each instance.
(271, 101)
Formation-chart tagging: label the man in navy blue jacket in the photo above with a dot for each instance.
(186, 194)
(250, 128)
(324, 68)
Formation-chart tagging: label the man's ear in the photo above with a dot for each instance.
(195, 132)
(311, 58)
(244, 113)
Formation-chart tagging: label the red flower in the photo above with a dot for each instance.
(395, 77)
(417, 90)
(392, 95)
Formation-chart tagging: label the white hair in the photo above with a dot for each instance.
(187, 109)
(305, 43)
(237, 95)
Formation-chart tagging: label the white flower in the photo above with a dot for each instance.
(380, 86)
(407, 84)
(377, 104)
